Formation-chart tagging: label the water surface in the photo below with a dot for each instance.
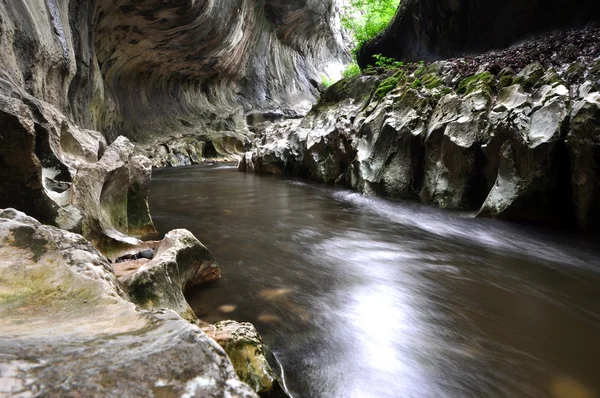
(363, 297)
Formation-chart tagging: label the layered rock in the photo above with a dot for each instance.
(437, 29)
(519, 146)
(68, 329)
(153, 71)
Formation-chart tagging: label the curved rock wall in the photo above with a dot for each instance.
(145, 69)
(436, 29)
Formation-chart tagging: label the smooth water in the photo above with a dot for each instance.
(362, 297)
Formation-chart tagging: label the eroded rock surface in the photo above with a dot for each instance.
(69, 176)
(518, 145)
(253, 361)
(67, 327)
(179, 262)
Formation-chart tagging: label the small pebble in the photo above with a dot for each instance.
(149, 254)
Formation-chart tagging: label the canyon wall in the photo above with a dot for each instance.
(438, 29)
(519, 143)
(139, 68)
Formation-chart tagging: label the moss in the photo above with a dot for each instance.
(419, 72)
(431, 81)
(416, 83)
(446, 90)
(388, 84)
(552, 78)
(141, 291)
(481, 81)
(530, 76)
(505, 81)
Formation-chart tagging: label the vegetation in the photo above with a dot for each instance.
(387, 85)
(364, 19)
(326, 81)
(352, 70)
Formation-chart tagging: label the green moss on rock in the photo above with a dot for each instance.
(481, 81)
(505, 81)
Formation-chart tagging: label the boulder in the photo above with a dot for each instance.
(67, 328)
(252, 360)
(179, 263)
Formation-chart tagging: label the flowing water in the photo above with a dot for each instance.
(363, 297)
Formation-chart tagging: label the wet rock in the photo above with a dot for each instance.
(52, 280)
(527, 133)
(583, 142)
(252, 360)
(149, 254)
(390, 146)
(454, 160)
(180, 262)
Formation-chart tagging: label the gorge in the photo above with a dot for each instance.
(490, 109)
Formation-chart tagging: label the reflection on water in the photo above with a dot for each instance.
(362, 297)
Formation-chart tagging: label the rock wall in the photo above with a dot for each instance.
(437, 29)
(145, 70)
(518, 146)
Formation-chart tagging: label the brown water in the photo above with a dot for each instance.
(363, 297)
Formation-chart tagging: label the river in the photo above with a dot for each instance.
(365, 297)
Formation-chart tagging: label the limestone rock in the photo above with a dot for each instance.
(67, 176)
(180, 262)
(21, 177)
(583, 142)
(521, 150)
(534, 166)
(390, 145)
(454, 160)
(251, 358)
(52, 280)
(139, 221)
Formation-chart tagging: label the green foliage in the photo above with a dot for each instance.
(505, 81)
(386, 62)
(352, 70)
(366, 18)
(325, 81)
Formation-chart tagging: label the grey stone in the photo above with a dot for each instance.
(51, 346)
